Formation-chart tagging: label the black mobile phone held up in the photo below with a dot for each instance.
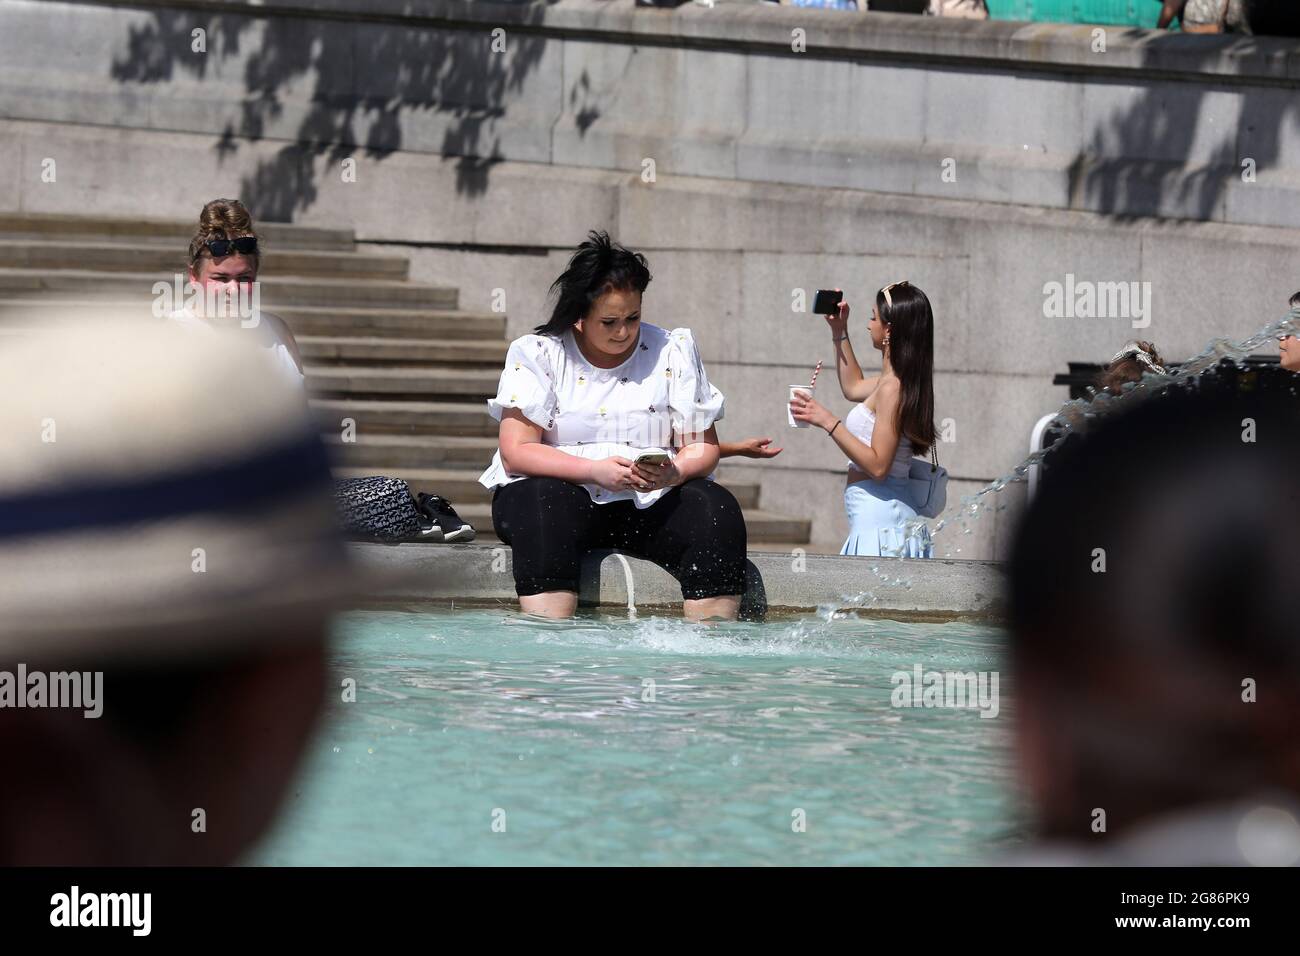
(827, 302)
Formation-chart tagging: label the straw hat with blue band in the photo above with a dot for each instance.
(158, 490)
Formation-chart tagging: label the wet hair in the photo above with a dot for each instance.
(1128, 369)
(221, 219)
(1137, 665)
(598, 266)
(910, 321)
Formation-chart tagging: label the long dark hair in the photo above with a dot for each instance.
(910, 322)
(598, 266)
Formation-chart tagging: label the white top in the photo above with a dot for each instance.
(862, 423)
(598, 413)
(264, 334)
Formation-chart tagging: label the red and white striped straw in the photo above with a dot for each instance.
(815, 371)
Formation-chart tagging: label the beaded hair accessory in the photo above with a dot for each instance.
(1133, 350)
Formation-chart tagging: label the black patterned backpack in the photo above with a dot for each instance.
(376, 509)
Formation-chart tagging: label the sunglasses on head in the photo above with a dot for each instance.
(889, 300)
(244, 245)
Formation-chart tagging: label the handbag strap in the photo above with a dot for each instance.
(934, 456)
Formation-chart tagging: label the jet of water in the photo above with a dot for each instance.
(1075, 415)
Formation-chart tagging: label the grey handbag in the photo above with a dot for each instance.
(928, 484)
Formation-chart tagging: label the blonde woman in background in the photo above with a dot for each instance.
(223, 262)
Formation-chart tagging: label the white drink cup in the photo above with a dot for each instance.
(789, 413)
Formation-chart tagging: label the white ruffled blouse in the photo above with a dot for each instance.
(596, 412)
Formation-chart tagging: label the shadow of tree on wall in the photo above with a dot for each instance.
(356, 86)
(1173, 152)
(329, 88)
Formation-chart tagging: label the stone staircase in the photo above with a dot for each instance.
(399, 358)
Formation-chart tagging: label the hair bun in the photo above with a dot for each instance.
(220, 219)
(230, 217)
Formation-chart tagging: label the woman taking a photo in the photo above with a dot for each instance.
(892, 422)
(578, 401)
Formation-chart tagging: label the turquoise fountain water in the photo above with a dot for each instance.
(480, 737)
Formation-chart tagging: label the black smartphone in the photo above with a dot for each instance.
(827, 302)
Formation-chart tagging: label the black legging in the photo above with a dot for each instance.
(695, 531)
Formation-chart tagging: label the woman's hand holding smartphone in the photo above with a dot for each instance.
(612, 474)
(839, 322)
(831, 303)
(654, 470)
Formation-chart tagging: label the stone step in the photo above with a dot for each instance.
(375, 323)
(303, 320)
(761, 526)
(277, 292)
(282, 235)
(383, 453)
(455, 484)
(937, 590)
(322, 350)
(405, 418)
(461, 484)
(787, 548)
(169, 259)
(326, 381)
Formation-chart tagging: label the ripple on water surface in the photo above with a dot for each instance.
(482, 737)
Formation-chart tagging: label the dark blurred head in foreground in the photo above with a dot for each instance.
(165, 521)
(1279, 18)
(1155, 593)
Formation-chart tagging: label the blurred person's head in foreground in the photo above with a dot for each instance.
(1279, 18)
(1129, 364)
(1155, 630)
(165, 519)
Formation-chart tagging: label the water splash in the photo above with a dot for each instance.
(1075, 416)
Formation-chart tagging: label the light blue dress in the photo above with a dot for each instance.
(882, 517)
